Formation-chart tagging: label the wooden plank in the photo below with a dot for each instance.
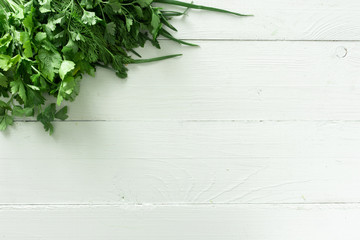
(229, 222)
(232, 80)
(181, 161)
(274, 20)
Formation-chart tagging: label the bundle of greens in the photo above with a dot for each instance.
(46, 46)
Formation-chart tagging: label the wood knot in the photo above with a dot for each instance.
(341, 52)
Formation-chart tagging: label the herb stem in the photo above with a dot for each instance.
(36, 70)
(190, 5)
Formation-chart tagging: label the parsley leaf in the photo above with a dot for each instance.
(45, 6)
(6, 121)
(3, 80)
(65, 68)
(90, 18)
(17, 87)
(49, 63)
(62, 114)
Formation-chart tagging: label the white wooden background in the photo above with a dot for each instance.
(254, 135)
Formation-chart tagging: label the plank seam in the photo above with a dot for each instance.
(262, 40)
(167, 204)
(201, 121)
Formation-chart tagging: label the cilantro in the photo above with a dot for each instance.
(46, 46)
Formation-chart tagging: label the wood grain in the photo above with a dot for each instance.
(181, 162)
(231, 81)
(274, 20)
(230, 222)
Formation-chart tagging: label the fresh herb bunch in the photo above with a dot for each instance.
(47, 45)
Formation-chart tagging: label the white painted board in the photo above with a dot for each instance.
(231, 222)
(181, 162)
(274, 20)
(231, 81)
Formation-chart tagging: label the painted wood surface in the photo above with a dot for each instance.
(181, 162)
(254, 135)
(274, 20)
(231, 81)
(232, 222)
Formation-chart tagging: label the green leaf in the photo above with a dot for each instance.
(111, 28)
(4, 105)
(47, 116)
(35, 78)
(45, 6)
(71, 46)
(139, 11)
(89, 18)
(49, 112)
(155, 23)
(129, 23)
(67, 87)
(87, 68)
(76, 36)
(14, 60)
(18, 111)
(18, 14)
(5, 121)
(115, 5)
(87, 4)
(59, 99)
(65, 68)
(25, 40)
(4, 62)
(62, 114)
(110, 32)
(49, 63)
(5, 42)
(28, 22)
(4, 26)
(40, 36)
(54, 21)
(144, 3)
(34, 98)
(17, 86)
(36, 88)
(3, 80)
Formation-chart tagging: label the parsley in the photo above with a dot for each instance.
(46, 46)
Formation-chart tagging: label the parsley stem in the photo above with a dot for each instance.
(190, 5)
(72, 9)
(36, 70)
(135, 61)
(102, 13)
